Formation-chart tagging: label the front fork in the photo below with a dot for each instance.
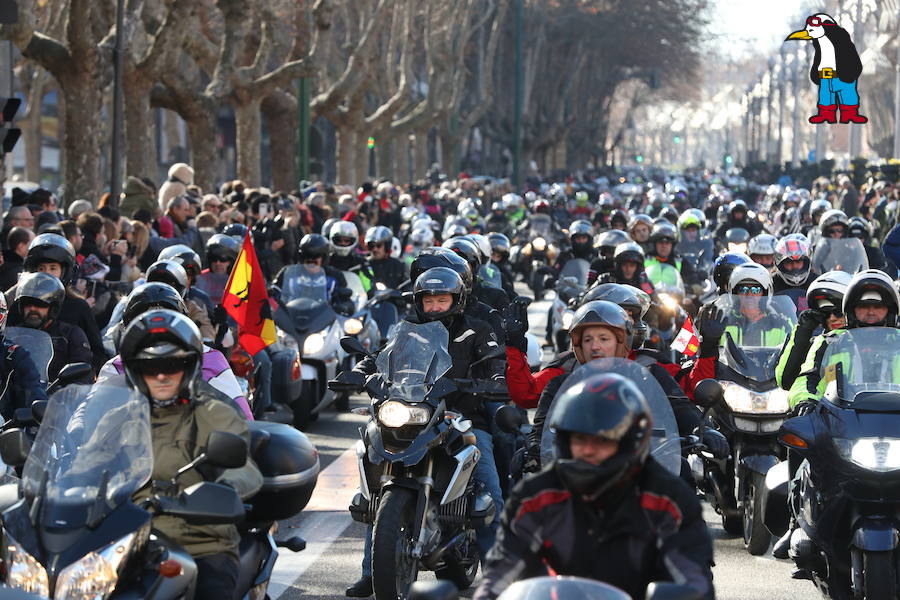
(422, 509)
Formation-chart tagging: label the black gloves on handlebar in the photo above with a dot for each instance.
(347, 381)
(804, 408)
(515, 323)
(711, 326)
(810, 319)
(532, 459)
(714, 441)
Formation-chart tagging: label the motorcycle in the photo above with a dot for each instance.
(570, 285)
(77, 530)
(700, 254)
(538, 253)
(361, 325)
(748, 408)
(846, 493)
(671, 292)
(416, 461)
(552, 588)
(39, 346)
(307, 323)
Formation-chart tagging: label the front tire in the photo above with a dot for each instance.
(303, 405)
(879, 576)
(756, 536)
(394, 569)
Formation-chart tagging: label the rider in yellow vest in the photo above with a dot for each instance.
(750, 323)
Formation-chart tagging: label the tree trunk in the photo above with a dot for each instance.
(83, 131)
(280, 111)
(361, 158)
(248, 123)
(420, 154)
(346, 140)
(140, 127)
(451, 143)
(384, 154)
(201, 130)
(33, 134)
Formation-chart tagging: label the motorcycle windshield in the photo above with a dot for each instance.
(577, 269)
(570, 588)
(414, 359)
(861, 369)
(304, 286)
(839, 254)
(755, 330)
(665, 279)
(354, 284)
(92, 452)
(540, 226)
(38, 344)
(490, 275)
(665, 445)
(702, 248)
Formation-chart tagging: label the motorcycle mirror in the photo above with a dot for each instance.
(509, 418)
(709, 393)
(23, 416)
(353, 346)
(440, 589)
(204, 503)
(38, 408)
(664, 590)
(14, 447)
(226, 450)
(70, 373)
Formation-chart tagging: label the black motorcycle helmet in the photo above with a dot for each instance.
(600, 313)
(435, 282)
(162, 341)
(149, 296)
(186, 257)
(466, 249)
(670, 214)
(737, 206)
(833, 218)
(222, 248)
(871, 286)
(581, 237)
(618, 219)
(312, 246)
(435, 256)
(860, 228)
(611, 407)
(51, 247)
(664, 232)
(500, 244)
(169, 272)
(723, 267)
(608, 240)
(236, 230)
(42, 289)
(635, 302)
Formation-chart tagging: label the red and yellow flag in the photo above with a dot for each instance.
(686, 341)
(247, 301)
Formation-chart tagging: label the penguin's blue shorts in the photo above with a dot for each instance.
(834, 91)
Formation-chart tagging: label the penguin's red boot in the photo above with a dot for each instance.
(827, 114)
(849, 114)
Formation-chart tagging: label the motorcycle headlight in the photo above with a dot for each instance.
(669, 302)
(397, 414)
(742, 400)
(23, 571)
(96, 574)
(733, 247)
(875, 454)
(352, 326)
(539, 244)
(567, 319)
(287, 341)
(380, 286)
(314, 343)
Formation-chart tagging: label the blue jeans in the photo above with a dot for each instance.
(834, 91)
(263, 383)
(486, 473)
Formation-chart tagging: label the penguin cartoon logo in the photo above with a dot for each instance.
(836, 67)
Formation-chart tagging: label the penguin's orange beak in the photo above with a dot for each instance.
(799, 35)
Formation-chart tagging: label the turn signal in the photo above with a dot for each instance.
(789, 439)
(170, 568)
(295, 369)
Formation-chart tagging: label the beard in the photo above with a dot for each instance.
(34, 319)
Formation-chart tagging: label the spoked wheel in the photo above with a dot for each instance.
(463, 566)
(756, 536)
(394, 569)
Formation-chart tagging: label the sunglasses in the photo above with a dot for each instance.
(749, 289)
(373, 245)
(834, 230)
(223, 259)
(161, 366)
(816, 22)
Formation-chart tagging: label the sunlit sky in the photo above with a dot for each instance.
(740, 27)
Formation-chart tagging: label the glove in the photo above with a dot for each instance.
(515, 324)
(711, 326)
(347, 381)
(714, 441)
(219, 315)
(532, 461)
(810, 319)
(804, 408)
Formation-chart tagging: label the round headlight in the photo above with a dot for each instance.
(314, 343)
(352, 326)
(397, 414)
(670, 302)
(380, 286)
(539, 244)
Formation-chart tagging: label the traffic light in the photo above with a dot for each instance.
(728, 159)
(9, 135)
(677, 139)
(371, 143)
(639, 158)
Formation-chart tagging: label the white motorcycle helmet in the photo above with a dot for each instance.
(396, 248)
(343, 237)
(751, 272)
